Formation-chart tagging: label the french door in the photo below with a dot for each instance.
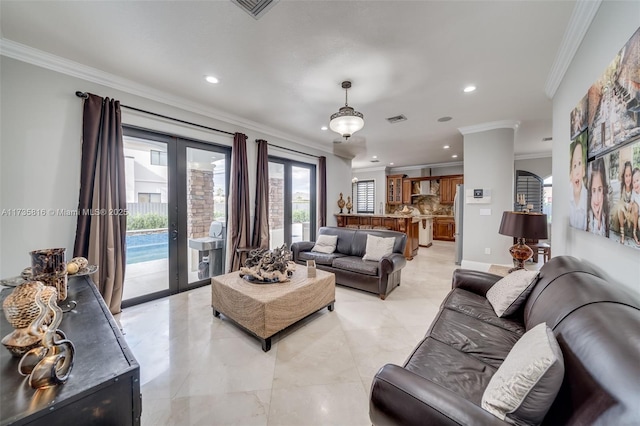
(292, 201)
(176, 224)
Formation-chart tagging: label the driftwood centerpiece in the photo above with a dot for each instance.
(268, 266)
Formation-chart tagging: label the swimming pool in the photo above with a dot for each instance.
(146, 247)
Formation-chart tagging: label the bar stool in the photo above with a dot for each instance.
(545, 250)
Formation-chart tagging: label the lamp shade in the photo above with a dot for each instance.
(532, 226)
(346, 121)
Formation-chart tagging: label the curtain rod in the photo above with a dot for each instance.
(292, 150)
(85, 95)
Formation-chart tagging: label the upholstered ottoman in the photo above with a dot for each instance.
(265, 309)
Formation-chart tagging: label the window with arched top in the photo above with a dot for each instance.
(532, 186)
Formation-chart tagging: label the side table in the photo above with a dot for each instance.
(104, 385)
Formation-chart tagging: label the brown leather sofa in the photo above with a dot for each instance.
(346, 262)
(596, 323)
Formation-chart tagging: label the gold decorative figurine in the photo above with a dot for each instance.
(349, 205)
(341, 203)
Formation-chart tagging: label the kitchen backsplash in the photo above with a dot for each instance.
(426, 204)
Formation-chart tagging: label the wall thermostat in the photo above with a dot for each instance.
(478, 196)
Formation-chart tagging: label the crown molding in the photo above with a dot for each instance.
(408, 168)
(24, 53)
(532, 156)
(370, 169)
(424, 166)
(583, 13)
(503, 124)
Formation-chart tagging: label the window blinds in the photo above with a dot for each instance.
(531, 186)
(365, 196)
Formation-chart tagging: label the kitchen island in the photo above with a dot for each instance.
(395, 222)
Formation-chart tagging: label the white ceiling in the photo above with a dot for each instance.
(284, 70)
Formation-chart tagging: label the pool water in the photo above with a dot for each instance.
(146, 247)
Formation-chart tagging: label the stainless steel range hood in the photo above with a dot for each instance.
(425, 189)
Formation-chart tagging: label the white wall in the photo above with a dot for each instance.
(491, 168)
(40, 143)
(540, 166)
(447, 170)
(614, 23)
(456, 168)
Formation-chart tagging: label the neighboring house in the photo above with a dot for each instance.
(145, 173)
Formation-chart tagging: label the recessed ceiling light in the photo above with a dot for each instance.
(391, 164)
(469, 89)
(444, 119)
(454, 156)
(375, 156)
(323, 128)
(446, 147)
(211, 79)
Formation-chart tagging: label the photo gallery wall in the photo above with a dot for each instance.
(604, 169)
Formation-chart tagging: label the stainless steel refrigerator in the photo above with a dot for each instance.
(458, 211)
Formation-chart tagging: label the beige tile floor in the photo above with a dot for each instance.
(200, 370)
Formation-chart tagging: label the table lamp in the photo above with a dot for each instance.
(523, 226)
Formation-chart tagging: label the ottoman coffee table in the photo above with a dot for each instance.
(265, 309)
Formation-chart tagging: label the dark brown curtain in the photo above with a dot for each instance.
(101, 227)
(322, 196)
(260, 237)
(239, 233)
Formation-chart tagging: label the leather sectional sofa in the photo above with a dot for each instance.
(596, 324)
(346, 262)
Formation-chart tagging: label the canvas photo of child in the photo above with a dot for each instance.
(577, 175)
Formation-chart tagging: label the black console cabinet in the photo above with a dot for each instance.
(104, 385)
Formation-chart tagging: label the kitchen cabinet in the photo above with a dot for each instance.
(394, 189)
(444, 228)
(448, 188)
(406, 191)
(406, 224)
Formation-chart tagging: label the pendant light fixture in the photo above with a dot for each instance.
(346, 121)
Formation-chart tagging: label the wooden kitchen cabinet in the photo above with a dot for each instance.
(448, 188)
(444, 228)
(405, 224)
(394, 189)
(406, 191)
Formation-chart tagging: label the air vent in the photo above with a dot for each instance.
(397, 119)
(255, 8)
(375, 161)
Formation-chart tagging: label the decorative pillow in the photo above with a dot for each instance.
(508, 294)
(526, 384)
(326, 244)
(378, 247)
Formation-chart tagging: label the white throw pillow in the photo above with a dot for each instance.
(378, 247)
(508, 294)
(326, 244)
(526, 384)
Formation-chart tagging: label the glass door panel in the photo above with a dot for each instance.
(292, 202)
(206, 207)
(147, 185)
(177, 202)
(276, 205)
(300, 203)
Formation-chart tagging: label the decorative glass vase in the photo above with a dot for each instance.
(49, 266)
